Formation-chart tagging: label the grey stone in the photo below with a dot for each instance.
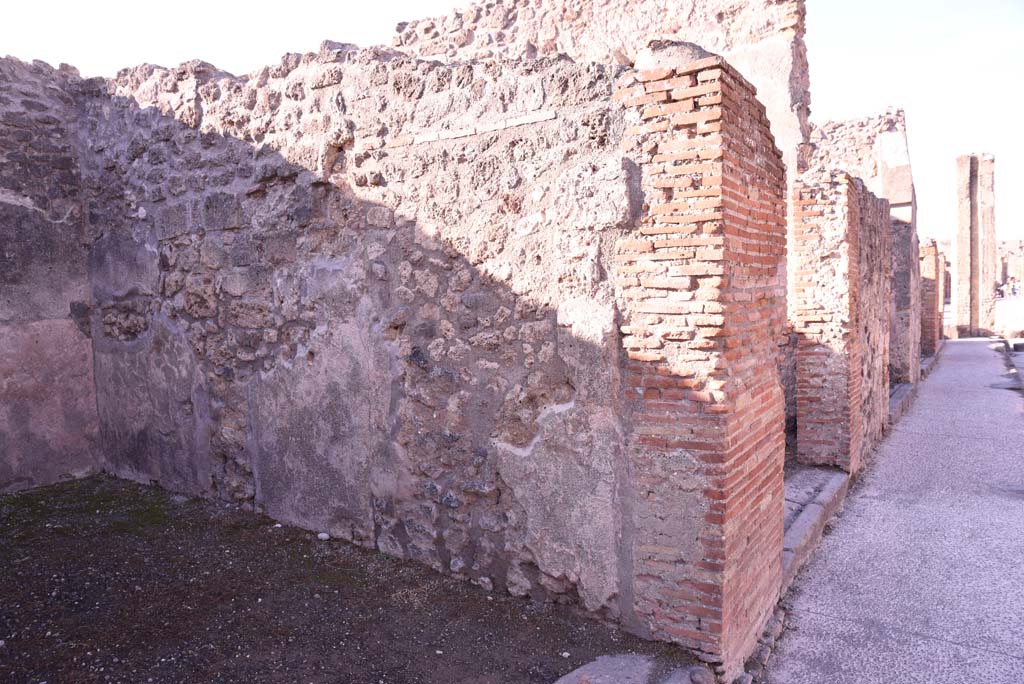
(620, 669)
(668, 54)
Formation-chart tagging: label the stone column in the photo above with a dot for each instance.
(975, 248)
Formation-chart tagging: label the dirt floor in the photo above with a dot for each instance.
(107, 581)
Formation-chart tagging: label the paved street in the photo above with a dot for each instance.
(922, 579)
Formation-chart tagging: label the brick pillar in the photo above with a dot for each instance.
(702, 294)
(932, 268)
(975, 247)
(826, 263)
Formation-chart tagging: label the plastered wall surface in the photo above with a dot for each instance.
(48, 423)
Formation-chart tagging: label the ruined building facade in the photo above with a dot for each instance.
(499, 321)
(1011, 262)
(516, 315)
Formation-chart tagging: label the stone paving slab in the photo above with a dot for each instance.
(923, 579)
(634, 669)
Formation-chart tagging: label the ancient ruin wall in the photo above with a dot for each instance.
(763, 40)
(369, 295)
(841, 270)
(873, 149)
(487, 317)
(826, 265)
(383, 297)
(47, 404)
(905, 305)
(933, 269)
(873, 320)
(975, 251)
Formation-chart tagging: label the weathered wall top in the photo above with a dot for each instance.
(762, 39)
(606, 30)
(873, 149)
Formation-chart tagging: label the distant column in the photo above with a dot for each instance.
(975, 266)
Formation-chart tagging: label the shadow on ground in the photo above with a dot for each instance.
(107, 581)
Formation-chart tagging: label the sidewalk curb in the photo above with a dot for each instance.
(802, 537)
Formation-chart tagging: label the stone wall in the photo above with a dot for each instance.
(47, 403)
(484, 316)
(974, 256)
(763, 40)
(368, 295)
(873, 320)
(874, 149)
(841, 318)
(933, 270)
(905, 305)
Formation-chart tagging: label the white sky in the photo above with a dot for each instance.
(956, 67)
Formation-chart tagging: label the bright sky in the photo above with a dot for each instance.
(956, 67)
